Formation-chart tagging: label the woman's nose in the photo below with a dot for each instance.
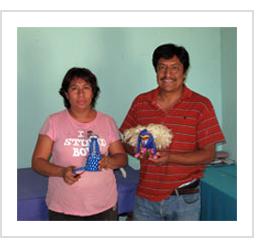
(80, 92)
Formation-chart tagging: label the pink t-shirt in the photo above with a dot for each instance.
(95, 192)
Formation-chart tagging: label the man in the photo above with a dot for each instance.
(169, 185)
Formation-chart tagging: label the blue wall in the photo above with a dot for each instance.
(121, 59)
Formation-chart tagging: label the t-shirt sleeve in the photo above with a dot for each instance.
(48, 129)
(131, 117)
(113, 131)
(208, 129)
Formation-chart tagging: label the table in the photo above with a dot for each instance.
(32, 189)
(218, 192)
(126, 188)
(31, 192)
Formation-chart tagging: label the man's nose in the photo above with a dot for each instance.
(167, 72)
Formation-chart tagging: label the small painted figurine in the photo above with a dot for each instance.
(94, 155)
(92, 162)
(149, 139)
(146, 145)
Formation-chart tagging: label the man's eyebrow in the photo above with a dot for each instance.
(176, 63)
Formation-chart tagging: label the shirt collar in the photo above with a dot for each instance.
(187, 93)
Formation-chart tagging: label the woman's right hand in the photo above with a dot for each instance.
(69, 177)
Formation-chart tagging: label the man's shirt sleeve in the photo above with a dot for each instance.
(208, 129)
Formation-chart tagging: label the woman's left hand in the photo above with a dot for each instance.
(105, 162)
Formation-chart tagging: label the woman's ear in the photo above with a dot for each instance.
(66, 95)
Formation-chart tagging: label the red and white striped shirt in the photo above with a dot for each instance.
(194, 125)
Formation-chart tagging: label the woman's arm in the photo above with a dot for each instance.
(129, 149)
(41, 164)
(117, 157)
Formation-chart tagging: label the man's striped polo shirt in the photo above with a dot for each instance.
(194, 125)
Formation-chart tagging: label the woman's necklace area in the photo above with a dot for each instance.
(83, 117)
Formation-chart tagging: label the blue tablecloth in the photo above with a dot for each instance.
(126, 188)
(32, 189)
(218, 191)
(31, 192)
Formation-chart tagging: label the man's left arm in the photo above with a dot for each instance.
(201, 156)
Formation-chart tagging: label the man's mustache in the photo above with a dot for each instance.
(167, 78)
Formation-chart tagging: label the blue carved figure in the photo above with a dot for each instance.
(92, 162)
(146, 144)
(94, 155)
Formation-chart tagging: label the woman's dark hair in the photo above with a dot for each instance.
(84, 74)
(167, 51)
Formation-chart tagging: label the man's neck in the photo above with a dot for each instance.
(166, 100)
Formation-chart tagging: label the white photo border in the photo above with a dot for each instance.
(243, 20)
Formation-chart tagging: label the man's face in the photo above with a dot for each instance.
(170, 74)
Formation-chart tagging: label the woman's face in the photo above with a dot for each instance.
(79, 94)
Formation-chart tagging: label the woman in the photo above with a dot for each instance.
(63, 145)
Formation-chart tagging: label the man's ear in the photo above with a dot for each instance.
(185, 76)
